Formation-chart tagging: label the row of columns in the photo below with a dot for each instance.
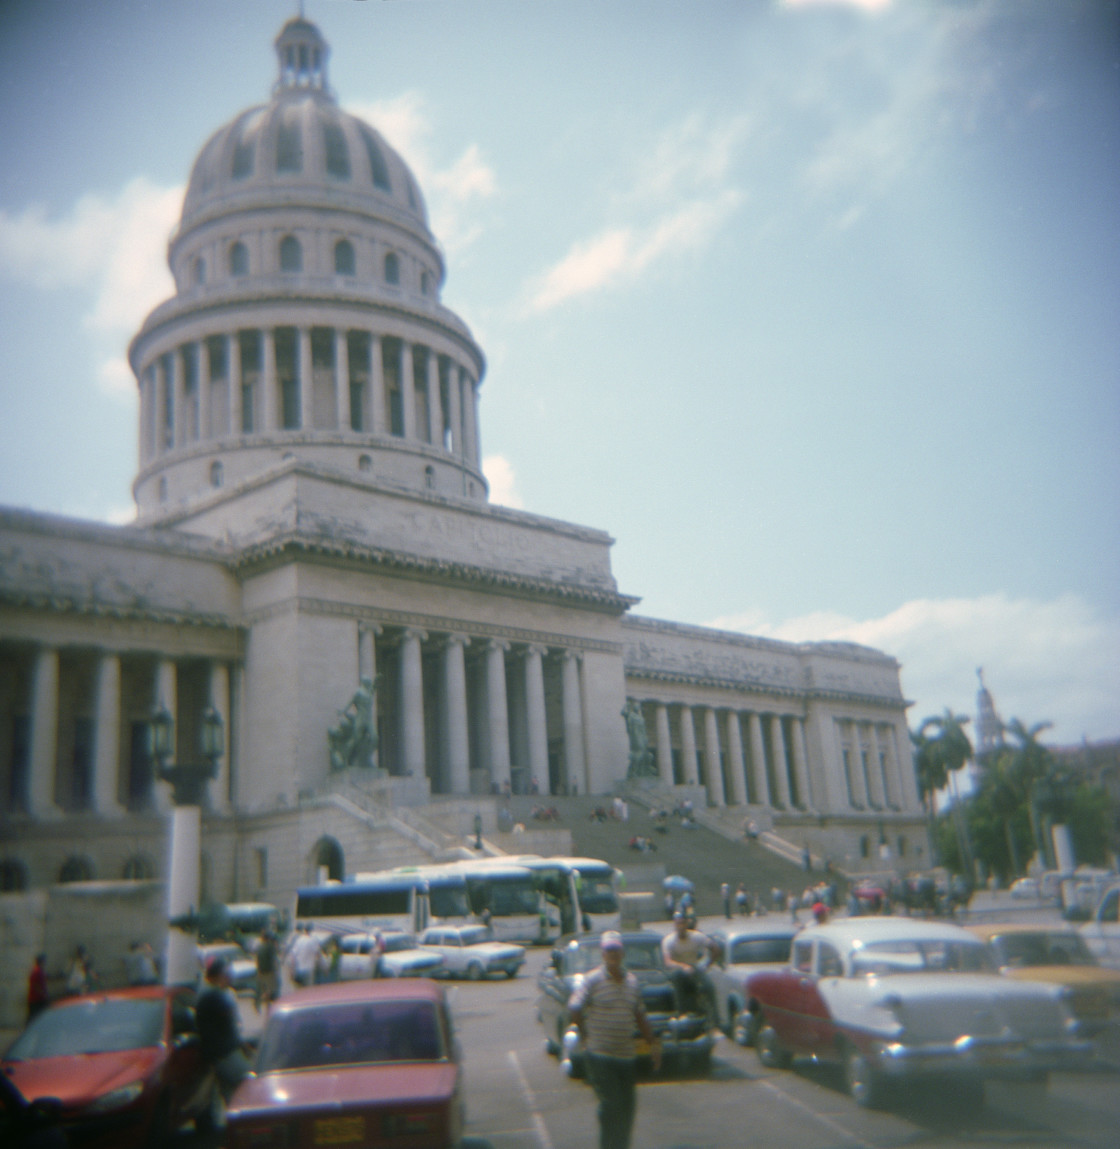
(107, 743)
(168, 372)
(872, 771)
(454, 734)
(709, 753)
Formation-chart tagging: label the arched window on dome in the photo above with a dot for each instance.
(337, 151)
(378, 169)
(239, 259)
(344, 257)
(291, 254)
(392, 268)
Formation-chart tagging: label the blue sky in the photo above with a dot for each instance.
(815, 306)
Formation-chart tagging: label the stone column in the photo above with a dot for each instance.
(894, 779)
(107, 737)
(203, 381)
(178, 399)
(435, 407)
(305, 379)
(713, 770)
(269, 401)
(758, 760)
(458, 741)
(575, 767)
(875, 779)
(377, 386)
(233, 372)
(801, 764)
(781, 763)
(218, 790)
(456, 416)
(180, 961)
(476, 438)
(537, 724)
(167, 697)
(412, 702)
(44, 735)
(342, 379)
(859, 780)
(664, 744)
(497, 712)
(735, 759)
(688, 747)
(408, 390)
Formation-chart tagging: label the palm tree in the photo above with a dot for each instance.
(951, 750)
(932, 776)
(1032, 764)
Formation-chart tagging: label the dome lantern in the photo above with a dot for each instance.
(302, 54)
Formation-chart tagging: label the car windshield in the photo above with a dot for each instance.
(754, 951)
(476, 935)
(638, 955)
(96, 1025)
(903, 955)
(395, 943)
(1044, 947)
(351, 1033)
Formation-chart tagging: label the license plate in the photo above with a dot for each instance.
(339, 1130)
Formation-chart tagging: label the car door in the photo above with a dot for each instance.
(808, 1016)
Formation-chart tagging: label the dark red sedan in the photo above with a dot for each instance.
(362, 1064)
(124, 1064)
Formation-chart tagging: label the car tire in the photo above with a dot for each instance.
(744, 1028)
(771, 1052)
(864, 1084)
(474, 971)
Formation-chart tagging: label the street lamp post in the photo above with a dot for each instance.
(188, 782)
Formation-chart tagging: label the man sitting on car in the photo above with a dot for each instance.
(688, 953)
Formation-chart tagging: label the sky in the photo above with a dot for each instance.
(813, 305)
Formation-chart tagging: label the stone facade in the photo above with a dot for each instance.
(311, 512)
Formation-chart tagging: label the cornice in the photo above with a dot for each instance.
(61, 603)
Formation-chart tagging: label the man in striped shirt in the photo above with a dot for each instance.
(606, 1008)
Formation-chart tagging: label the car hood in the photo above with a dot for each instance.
(412, 959)
(1076, 976)
(78, 1079)
(364, 1086)
(945, 1007)
(495, 950)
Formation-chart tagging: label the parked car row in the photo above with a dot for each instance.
(443, 951)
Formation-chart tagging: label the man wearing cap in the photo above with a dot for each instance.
(219, 1028)
(606, 1008)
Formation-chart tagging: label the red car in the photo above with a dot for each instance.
(125, 1065)
(362, 1064)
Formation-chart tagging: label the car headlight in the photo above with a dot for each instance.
(118, 1099)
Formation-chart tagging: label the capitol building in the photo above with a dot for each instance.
(311, 515)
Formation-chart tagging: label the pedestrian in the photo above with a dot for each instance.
(725, 894)
(140, 964)
(688, 953)
(79, 974)
(38, 997)
(606, 1008)
(741, 899)
(303, 958)
(219, 1028)
(268, 979)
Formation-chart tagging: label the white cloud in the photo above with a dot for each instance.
(866, 5)
(1056, 660)
(451, 191)
(499, 474)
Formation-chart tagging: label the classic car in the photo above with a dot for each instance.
(685, 1037)
(1059, 955)
(470, 951)
(741, 950)
(124, 1065)
(353, 1063)
(400, 956)
(899, 1000)
(1102, 931)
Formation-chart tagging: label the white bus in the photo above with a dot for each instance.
(597, 888)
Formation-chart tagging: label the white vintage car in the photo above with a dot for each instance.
(470, 951)
(897, 999)
(743, 949)
(386, 953)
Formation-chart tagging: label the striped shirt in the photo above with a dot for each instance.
(610, 1011)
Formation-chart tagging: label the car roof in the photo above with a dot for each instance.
(595, 938)
(344, 992)
(988, 930)
(850, 931)
(124, 993)
(762, 928)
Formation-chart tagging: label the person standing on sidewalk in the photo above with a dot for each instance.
(219, 1028)
(605, 1008)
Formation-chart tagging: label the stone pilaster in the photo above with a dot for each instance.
(44, 735)
(412, 703)
(107, 737)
